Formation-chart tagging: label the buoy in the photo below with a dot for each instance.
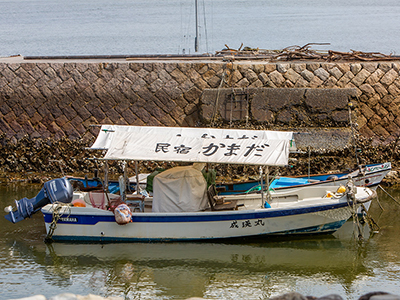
(123, 214)
(78, 203)
(341, 189)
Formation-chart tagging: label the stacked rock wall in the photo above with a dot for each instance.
(63, 98)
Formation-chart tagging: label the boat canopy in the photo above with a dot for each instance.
(183, 144)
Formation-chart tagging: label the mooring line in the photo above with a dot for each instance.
(379, 203)
(371, 222)
(389, 195)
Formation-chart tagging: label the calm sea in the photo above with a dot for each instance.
(123, 27)
(256, 270)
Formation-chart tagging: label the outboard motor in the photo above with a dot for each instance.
(56, 190)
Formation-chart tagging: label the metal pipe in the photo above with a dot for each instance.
(262, 186)
(137, 177)
(268, 191)
(196, 41)
(106, 177)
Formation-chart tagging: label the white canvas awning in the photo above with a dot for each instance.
(106, 133)
(209, 145)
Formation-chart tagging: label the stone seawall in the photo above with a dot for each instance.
(60, 99)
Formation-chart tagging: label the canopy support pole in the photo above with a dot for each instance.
(262, 185)
(309, 162)
(268, 191)
(137, 177)
(105, 184)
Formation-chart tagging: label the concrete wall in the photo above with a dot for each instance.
(58, 99)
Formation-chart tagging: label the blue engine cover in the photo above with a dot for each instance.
(56, 190)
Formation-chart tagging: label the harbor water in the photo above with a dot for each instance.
(122, 27)
(244, 269)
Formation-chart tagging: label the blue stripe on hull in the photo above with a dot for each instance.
(199, 217)
(321, 229)
(326, 228)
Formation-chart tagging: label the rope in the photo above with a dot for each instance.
(217, 99)
(350, 105)
(374, 227)
(370, 221)
(352, 203)
(379, 203)
(60, 163)
(56, 217)
(391, 197)
(356, 220)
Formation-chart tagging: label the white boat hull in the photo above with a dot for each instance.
(310, 216)
(372, 177)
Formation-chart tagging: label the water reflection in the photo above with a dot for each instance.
(185, 270)
(251, 269)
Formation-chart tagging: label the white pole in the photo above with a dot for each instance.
(262, 186)
(268, 191)
(106, 176)
(137, 177)
(196, 39)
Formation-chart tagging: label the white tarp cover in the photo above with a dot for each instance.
(180, 189)
(207, 145)
(103, 140)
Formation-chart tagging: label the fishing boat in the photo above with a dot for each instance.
(182, 207)
(370, 175)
